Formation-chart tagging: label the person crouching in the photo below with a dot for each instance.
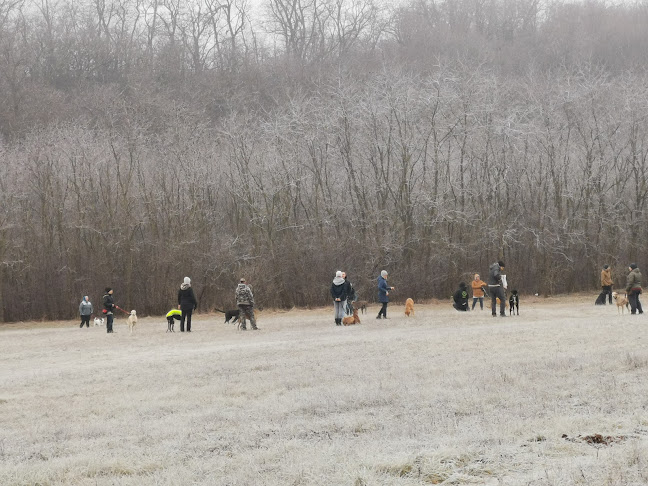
(460, 298)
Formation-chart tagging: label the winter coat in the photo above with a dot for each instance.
(477, 289)
(85, 308)
(494, 274)
(339, 289)
(460, 297)
(633, 281)
(187, 298)
(349, 291)
(383, 288)
(606, 277)
(244, 295)
(108, 303)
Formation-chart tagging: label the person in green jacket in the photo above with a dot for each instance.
(633, 289)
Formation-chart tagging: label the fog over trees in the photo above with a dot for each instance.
(142, 141)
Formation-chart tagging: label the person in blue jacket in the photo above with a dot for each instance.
(383, 294)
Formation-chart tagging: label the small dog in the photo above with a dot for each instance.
(351, 320)
(361, 305)
(98, 322)
(229, 315)
(621, 302)
(409, 307)
(132, 320)
(514, 302)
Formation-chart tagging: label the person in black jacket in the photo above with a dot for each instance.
(109, 306)
(187, 303)
(496, 288)
(460, 297)
(338, 292)
(351, 295)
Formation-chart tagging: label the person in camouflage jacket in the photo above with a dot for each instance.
(633, 289)
(245, 303)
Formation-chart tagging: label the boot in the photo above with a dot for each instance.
(338, 321)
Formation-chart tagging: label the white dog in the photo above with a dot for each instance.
(98, 322)
(132, 320)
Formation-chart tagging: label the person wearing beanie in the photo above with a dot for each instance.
(245, 303)
(187, 303)
(383, 294)
(339, 294)
(478, 286)
(351, 295)
(606, 283)
(85, 309)
(109, 306)
(633, 289)
(460, 298)
(496, 288)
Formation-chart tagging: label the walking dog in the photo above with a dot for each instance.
(98, 321)
(229, 315)
(361, 304)
(409, 307)
(621, 302)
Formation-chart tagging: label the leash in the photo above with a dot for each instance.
(125, 312)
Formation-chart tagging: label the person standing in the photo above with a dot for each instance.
(633, 289)
(478, 286)
(460, 297)
(109, 306)
(338, 292)
(245, 303)
(351, 295)
(606, 282)
(496, 288)
(85, 309)
(383, 293)
(187, 303)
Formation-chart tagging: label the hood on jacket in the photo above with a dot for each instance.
(184, 286)
(462, 285)
(338, 281)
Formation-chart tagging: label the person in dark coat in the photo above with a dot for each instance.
(351, 295)
(109, 306)
(383, 294)
(633, 289)
(496, 288)
(460, 297)
(339, 294)
(187, 303)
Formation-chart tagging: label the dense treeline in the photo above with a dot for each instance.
(145, 140)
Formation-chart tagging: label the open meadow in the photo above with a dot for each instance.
(555, 396)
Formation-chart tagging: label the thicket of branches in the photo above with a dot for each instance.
(146, 140)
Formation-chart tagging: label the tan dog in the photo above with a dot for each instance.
(409, 307)
(132, 320)
(621, 302)
(351, 320)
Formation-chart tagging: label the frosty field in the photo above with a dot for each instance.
(441, 398)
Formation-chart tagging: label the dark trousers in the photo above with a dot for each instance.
(383, 310)
(497, 291)
(607, 290)
(85, 320)
(461, 306)
(109, 323)
(481, 302)
(186, 314)
(635, 305)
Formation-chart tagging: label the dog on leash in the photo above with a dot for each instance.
(514, 303)
(132, 320)
(351, 320)
(98, 321)
(361, 305)
(621, 302)
(229, 315)
(409, 307)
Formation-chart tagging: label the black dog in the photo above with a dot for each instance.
(514, 301)
(229, 315)
(171, 322)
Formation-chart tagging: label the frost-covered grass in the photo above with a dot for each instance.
(442, 398)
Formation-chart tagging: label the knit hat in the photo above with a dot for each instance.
(633, 265)
(383, 273)
(108, 289)
(242, 280)
(338, 273)
(187, 280)
(501, 263)
(605, 267)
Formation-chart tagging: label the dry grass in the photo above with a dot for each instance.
(442, 398)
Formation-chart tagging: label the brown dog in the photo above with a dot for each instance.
(351, 320)
(409, 307)
(361, 304)
(621, 302)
